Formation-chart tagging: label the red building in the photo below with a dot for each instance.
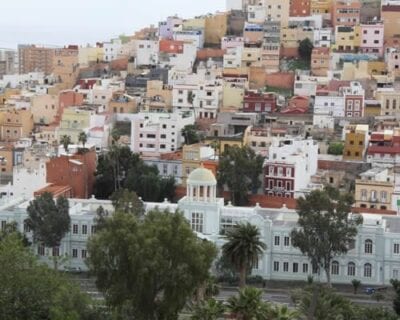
(74, 173)
(171, 46)
(279, 179)
(259, 102)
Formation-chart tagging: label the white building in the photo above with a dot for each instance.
(146, 52)
(374, 258)
(322, 37)
(233, 57)
(194, 36)
(229, 42)
(154, 133)
(112, 49)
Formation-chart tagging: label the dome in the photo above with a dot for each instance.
(201, 176)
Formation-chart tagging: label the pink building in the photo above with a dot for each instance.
(372, 38)
(393, 60)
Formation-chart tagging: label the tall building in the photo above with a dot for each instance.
(8, 61)
(33, 58)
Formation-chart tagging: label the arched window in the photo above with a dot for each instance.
(368, 246)
(367, 270)
(335, 268)
(351, 269)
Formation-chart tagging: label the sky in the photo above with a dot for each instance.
(63, 22)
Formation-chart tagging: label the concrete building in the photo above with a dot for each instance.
(156, 133)
(33, 58)
(195, 156)
(372, 35)
(389, 99)
(66, 65)
(166, 28)
(390, 15)
(299, 8)
(346, 13)
(16, 124)
(259, 102)
(323, 37)
(194, 36)
(384, 147)
(278, 10)
(320, 61)
(8, 61)
(112, 49)
(45, 109)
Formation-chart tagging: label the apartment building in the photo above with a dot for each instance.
(346, 13)
(320, 61)
(299, 8)
(356, 138)
(32, 58)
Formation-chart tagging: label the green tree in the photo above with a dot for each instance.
(282, 312)
(190, 134)
(31, 291)
(82, 138)
(48, 219)
(239, 169)
(210, 309)
(305, 49)
(243, 248)
(65, 141)
(325, 228)
(336, 148)
(127, 201)
(148, 268)
(356, 284)
(396, 302)
(249, 305)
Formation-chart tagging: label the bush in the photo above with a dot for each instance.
(336, 148)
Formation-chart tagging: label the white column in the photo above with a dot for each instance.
(205, 190)
(198, 193)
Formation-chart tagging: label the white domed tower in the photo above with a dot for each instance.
(201, 186)
(201, 206)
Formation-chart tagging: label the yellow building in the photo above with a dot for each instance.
(194, 23)
(356, 142)
(88, 55)
(73, 122)
(222, 143)
(374, 189)
(232, 96)
(321, 7)
(291, 37)
(66, 65)
(216, 27)
(251, 57)
(346, 39)
(193, 156)
(390, 15)
(390, 101)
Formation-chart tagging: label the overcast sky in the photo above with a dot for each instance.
(61, 22)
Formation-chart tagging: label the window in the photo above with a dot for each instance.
(396, 248)
(276, 266)
(368, 246)
(286, 242)
(383, 196)
(280, 171)
(56, 251)
(295, 267)
(351, 269)
(197, 222)
(93, 229)
(286, 266)
(163, 136)
(74, 253)
(335, 268)
(277, 240)
(75, 229)
(41, 250)
(84, 229)
(288, 172)
(367, 270)
(83, 253)
(305, 267)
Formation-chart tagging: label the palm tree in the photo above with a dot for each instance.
(243, 248)
(210, 309)
(65, 141)
(282, 312)
(82, 138)
(249, 305)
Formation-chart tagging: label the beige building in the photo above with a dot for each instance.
(251, 57)
(390, 101)
(233, 94)
(374, 189)
(16, 124)
(390, 15)
(278, 10)
(158, 96)
(320, 61)
(32, 58)
(88, 55)
(356, 142)
(216, 27)
(122, 103)
(66, 65)
(44, 108)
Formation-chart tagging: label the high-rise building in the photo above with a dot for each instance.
(8, 61)
(33, 58)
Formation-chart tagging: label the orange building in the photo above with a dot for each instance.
(299, 8)
(75, 172)
(320, 59)
(346, 13)
(171, 46)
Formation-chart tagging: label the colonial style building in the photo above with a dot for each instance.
(374, 258)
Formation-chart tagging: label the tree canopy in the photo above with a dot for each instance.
(239, 169)
(120, 168)
(243, 248)
(336, 148)
(48, 219)
(305, 49)
(149, 267)
(31, 291)
(325, 227)
(190, 134)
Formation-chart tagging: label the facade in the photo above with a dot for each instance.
(356, 142)
(278, 10)
(156, 133)
(44, 108)
(389, 99)
(289, 166)
(259, 102)
(74, 120)
(32, 58)
(194, 156)
(346, 13)
(299, 8)
(374, 258)
(390, 15)
(372, 35)
(384, 147)
(16, 124)
(320, 61)
(374, 189)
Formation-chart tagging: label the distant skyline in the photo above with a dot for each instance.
(57, 22)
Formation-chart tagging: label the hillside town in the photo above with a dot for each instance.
(231, 118)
